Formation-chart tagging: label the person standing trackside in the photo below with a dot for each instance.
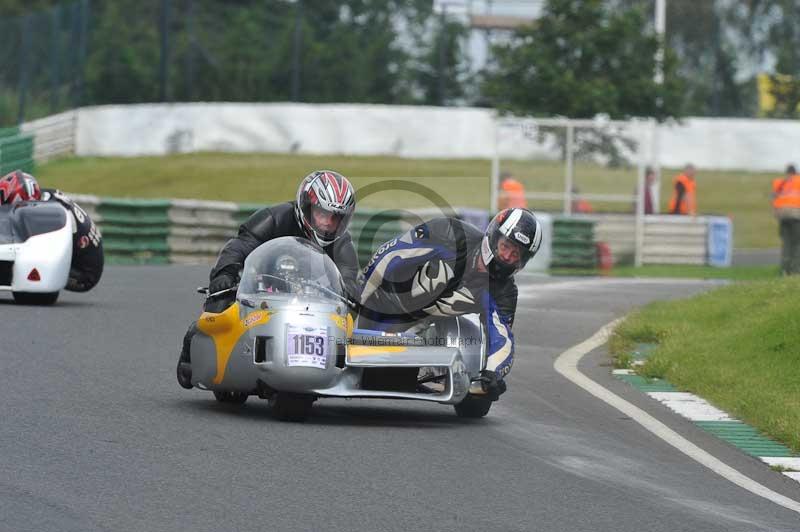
(684, 200)
(786, 205)
(512, 193)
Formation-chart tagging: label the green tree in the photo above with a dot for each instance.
(771, 32)
(580, 59)
(441, 71)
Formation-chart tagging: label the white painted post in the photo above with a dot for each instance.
(660, 27)
(639, 243)
(495, 176)
(568, 177)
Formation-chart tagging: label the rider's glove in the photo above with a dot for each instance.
(223, 281)
(494, 387)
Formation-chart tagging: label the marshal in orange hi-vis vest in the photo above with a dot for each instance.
(786, 196)
(512, 195)
(686, 203)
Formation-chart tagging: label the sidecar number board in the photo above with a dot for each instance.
(307, 346)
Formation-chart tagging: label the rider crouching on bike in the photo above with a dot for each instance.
(87, 263)
(447, 267)
(321, 213)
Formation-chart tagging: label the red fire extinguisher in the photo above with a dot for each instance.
(604, 259)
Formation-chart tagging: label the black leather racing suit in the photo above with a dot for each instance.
(87, 245)
(432, 270)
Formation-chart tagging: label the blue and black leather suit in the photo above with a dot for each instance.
(432, 270)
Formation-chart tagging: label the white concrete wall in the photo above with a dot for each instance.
(405, 131)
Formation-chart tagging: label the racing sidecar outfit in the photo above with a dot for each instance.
(87, 244)
(432, 270)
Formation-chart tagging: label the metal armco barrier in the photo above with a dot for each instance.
(54, 136)
(193, 231)
(668, 239)
(199, 229)
(675, 240)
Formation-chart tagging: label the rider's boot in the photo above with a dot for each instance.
(184, 369)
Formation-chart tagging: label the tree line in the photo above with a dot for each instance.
(578, 59)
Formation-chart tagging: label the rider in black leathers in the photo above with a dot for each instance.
(321, 212)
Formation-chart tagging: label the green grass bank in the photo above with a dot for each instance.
(270, 178)
(737, 346)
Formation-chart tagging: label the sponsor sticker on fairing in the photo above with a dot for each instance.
(253, 318)
(522, 238)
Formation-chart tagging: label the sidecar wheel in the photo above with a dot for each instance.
(35, 298)
(235, 398)
(473, 407)
(291, 406)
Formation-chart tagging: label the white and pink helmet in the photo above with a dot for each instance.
(331, 193)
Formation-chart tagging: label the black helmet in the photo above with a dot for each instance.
(517, 228)
(331, 193)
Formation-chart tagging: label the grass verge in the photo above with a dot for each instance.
(733, 273)
(737, 346)
(270, 178)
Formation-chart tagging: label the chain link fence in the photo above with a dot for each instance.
(84, 52)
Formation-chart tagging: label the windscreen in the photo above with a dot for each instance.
(36, 218)
(290, 267)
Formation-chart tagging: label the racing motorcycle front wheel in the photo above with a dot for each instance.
(288, 406)
(473, 406)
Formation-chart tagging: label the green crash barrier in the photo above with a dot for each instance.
(573, 244)
(135, 231)
(371, 227)
(6, 132)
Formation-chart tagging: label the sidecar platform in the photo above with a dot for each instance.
(401, 360)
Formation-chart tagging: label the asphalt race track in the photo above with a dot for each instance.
(97, 436)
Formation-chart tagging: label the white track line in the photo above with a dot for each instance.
(567, 365)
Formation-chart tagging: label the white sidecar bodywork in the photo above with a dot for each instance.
(35, 250)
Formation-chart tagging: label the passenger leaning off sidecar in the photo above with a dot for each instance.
(447, 267)
(87, 242)
(321, 213)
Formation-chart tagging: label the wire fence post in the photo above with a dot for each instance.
(568, 172)
(163, 70)
(55, 54)
(24, 64)
(190, 51)
(495, 176)
(83, 44)
(640, 192)
(298, 42)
